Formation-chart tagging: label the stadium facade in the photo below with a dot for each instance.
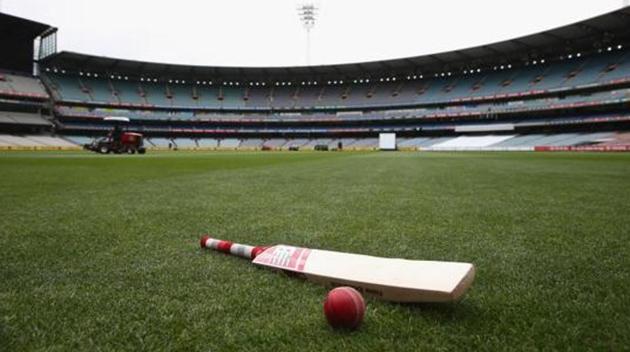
(567, 88)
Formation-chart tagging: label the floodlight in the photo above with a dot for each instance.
(308, 14)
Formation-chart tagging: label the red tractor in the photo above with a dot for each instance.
(118, 141)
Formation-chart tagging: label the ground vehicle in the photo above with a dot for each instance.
(129, 142)
(118, 141)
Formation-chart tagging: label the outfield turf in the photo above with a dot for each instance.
(101, 252)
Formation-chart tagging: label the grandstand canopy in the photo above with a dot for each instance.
(17, 36)
(590, 35)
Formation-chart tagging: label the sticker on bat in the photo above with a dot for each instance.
(284, 257)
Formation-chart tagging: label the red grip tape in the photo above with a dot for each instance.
(224, 246)
(203, 240)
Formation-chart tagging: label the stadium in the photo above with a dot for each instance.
(511, 156)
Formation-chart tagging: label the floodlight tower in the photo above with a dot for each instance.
(308, 14)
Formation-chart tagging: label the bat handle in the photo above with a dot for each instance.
(229, 247)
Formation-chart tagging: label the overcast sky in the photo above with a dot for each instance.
(268, 33)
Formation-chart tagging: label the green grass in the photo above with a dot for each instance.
(101, 252)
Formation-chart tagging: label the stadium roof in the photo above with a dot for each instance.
(17, 35)
(585, 36)
(12, 26)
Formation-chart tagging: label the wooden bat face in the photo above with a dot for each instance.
(391, 279)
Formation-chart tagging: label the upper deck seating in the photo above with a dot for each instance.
(18, 85)
(438, 89)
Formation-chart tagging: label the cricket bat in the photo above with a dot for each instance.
(391, 279)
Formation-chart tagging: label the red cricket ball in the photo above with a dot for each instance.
(344, 308)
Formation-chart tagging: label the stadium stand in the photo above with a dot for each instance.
(253, 143)
(129, 92)
(21, 85)
(567, 87)
(20, 118)
(509, 142)
(296, 143)
(576, 100)
(161, 143)
(208, 143)
(343, 142)
(49, 141)
(364, 143)
(412, 143)
(34, 142)
(471, 142)
(311, 144)
(615, 139)
(79, 141)
(520, 141)
(275, 143)
(185, 143)
(18, 141)
(229, 143)
(552, 76)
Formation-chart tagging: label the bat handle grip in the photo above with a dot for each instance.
(229, 247)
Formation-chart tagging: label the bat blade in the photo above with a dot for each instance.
(392, 279)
